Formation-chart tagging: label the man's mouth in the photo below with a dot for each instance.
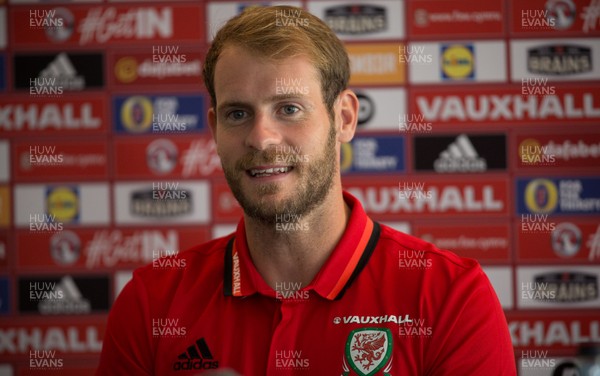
(271, 171)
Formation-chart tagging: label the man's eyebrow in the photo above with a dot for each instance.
(281, 97)
(226, 104)
(273, 98)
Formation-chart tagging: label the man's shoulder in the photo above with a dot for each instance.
(194, 260)
(403, 246)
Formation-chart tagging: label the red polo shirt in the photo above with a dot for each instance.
(384, 303)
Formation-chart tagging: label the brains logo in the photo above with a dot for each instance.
(136, 114)
(346, 156)
(63, 203)
(458, 62)
(368, 350)
(541, 196)
(126, 70)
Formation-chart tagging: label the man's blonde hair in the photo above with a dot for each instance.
(281, 32)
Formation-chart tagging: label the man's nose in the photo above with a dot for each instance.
(264, 132)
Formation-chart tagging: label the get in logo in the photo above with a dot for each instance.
(540, 196)
(62, 203)
(368, 350)
(458, 62)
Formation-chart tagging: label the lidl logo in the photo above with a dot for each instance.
(457, 61)
(62, 203)
(368, 350)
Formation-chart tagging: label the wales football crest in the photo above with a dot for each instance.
(368, 350)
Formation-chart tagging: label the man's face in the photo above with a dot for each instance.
(274, 136)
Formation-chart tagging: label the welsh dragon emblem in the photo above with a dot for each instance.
(368, 350)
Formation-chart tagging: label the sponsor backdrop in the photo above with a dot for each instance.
(479, 130)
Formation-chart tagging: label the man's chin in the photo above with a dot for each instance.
(265, 205)
(265, 214)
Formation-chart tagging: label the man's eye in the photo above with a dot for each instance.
(236, 115)
(290, 109)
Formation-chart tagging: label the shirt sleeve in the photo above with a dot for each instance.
(471, 336)
(126, 349)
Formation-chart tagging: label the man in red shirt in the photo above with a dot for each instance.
(308, 284)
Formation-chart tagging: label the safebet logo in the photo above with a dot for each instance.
(196, 357)
(558, 150)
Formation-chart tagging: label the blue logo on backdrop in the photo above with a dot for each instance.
(158, 114)
(373, 154)
(573, 195)
(4, 296)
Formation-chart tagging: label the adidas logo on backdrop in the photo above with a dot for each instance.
(460, 156)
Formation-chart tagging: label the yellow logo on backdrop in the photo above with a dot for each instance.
(126, 69)
(63, 204)
(541, 196)
(457, 62)
(346, 157)
(529, 149)
(4, 206)
(136, 114)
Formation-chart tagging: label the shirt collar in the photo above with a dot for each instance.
(344, 264)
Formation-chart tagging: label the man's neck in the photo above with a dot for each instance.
(295, 255)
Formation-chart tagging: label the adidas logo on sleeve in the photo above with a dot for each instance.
(196, 357)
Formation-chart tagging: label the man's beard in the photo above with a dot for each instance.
(316, 179)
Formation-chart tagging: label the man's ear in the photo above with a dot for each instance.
(348, 107)
(212, 122)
